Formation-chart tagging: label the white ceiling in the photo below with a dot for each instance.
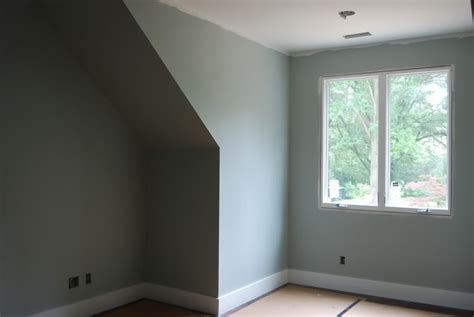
(304, 26)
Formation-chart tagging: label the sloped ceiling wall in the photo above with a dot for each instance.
(245, 104)
(182, 169)
(240, 91)
(112, 47)
(71, 187)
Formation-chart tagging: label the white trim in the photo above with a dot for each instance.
(223, 303)
(251, 291)
(426, 295)
(383, 151)
(181, 298)
(170, 295)
(383, 171)
(97, 304)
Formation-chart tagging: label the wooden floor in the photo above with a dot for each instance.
(293, 300)
(149, 308)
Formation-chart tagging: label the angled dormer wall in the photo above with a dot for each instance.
(240, 91)
(71, 185)
(113, 49)
(102, 149)
(182, 184)
(183, 219)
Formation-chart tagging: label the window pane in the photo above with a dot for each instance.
(352, 141)
(418, 140)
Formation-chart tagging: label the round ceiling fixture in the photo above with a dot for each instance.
(345, 14)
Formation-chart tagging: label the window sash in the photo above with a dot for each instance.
(383, 141)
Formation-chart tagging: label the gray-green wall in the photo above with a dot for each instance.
(472, 156)
(72, 174)
(409, 249)
(240, 91)
(183, 219)
(78, 194)
(114, 50)
(182, 189)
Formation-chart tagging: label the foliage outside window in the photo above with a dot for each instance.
(386, 141)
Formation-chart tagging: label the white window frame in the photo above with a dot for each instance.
(383, 144)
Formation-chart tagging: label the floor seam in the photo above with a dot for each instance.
(348, 308)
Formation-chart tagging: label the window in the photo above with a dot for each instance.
(386, 141)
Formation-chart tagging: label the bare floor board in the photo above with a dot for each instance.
(368, 309)
(294, 300)
(149, 308)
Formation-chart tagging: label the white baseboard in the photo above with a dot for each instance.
(410, 293)
(251, 291)
(170, 295)
(212, 305)
(97, 304)
(178, 297)
(243, 295)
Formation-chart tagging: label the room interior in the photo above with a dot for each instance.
(184, 153)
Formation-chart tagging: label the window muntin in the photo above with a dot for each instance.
(405, 138)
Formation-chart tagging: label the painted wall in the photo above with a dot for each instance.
(113, 49)
(72, 175)
(182, 184)
(472, 156)
(183, 219)
(408, 249)
(240, 91)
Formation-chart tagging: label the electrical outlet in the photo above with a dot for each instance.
(73, 282)
(342, 260)
(88, 278)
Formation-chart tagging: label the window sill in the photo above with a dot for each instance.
(387, 211)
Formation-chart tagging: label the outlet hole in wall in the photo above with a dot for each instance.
(342, 260)
(88, 278)
(73, 282)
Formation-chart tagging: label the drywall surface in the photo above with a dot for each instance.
(472, 157)
(72, 175)
(408, 249)
(240, 91)
(114, 50)
(121, 60)
(183, 219)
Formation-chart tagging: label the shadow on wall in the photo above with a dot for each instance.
(113, 49)
(183, 219)
(71, 174)
(77, 183)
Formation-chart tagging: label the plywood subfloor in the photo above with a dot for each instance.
(294, 300)
(368, 309)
